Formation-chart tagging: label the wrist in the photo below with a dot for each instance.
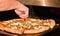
(18, 4)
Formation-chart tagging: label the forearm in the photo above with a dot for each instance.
(9, 4)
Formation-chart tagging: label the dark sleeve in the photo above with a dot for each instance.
(6, 15)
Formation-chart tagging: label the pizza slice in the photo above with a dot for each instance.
(37, 25)
(13, 26)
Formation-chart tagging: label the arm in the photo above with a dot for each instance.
(16, 5)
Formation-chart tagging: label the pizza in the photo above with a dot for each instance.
(27, 26)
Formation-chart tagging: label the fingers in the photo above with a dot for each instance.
(22, 12)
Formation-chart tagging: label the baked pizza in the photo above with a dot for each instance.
(27, 26)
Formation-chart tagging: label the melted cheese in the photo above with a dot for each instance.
(37, 27)
(32, 23)
(13, 27)
(47, 24)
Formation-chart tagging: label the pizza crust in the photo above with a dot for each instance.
(52, 22)
(14, 31)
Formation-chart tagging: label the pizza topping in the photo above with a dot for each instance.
(27, 24)
(37, 27)
(15, 23)
(13, 27)
(33, 24)
(20, 28)
(46, 23)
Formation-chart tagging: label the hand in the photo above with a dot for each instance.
(21, 10)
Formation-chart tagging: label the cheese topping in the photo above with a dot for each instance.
(30, 24)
